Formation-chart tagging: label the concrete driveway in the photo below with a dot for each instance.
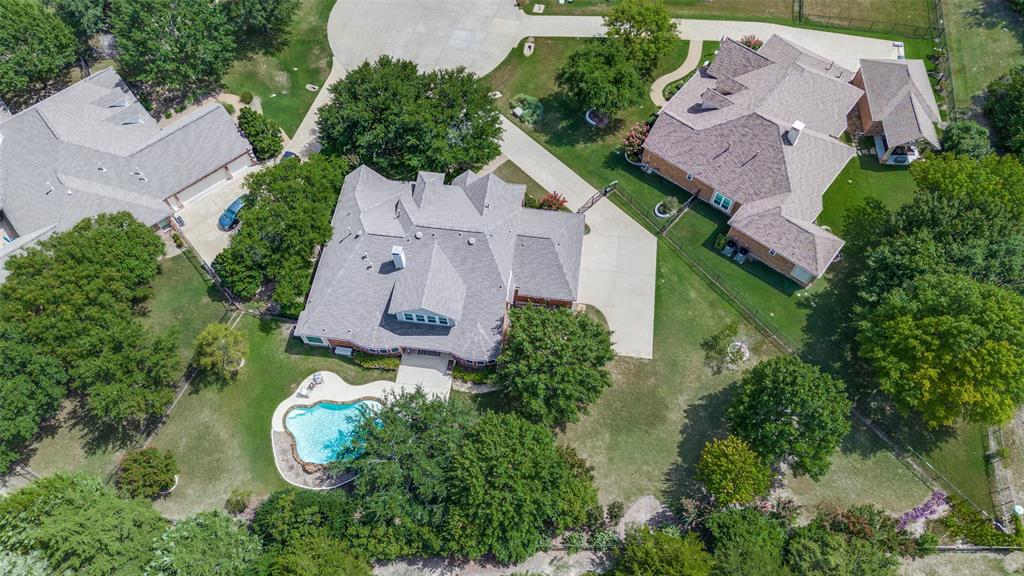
(201, 215)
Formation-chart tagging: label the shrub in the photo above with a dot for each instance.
(751, 41)
(245, 97)
(717, 356)
(649, 552)
(670, 204)
(176, 238)
(616, 510)
(238, 501)
(227, 106)
(574, 541)
(480, 376)
(967, 137)
(633, 143)
(604, 540)
(532, 108)
(146, 473)
(553, 201)
(965, 523)
(263, 133)
(220, 351)
(732, 472)
(375, 362)
(530, 201)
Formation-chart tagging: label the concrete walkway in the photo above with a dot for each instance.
(691, 62)
(619, 263)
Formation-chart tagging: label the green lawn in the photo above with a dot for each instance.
(864, 178)
(513, 174)
(961, 459)
(986, 38)
(220, 436)
(280, 79)
(181, 299)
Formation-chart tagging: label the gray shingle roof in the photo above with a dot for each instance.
(727, 126)
(92, 148)
(900, 97)
(468, 246)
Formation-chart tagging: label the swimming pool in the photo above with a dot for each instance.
(321, 431)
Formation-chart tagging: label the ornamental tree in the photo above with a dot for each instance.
(207, 544)
(509, 490)
(36, 47)
(600, 76)
(399, 121)
(647, 552)
(220, 351)
(645, 29)
(553, 362)
(732, 472)
(788, 409)
(263, 133)
(146, 473)
(948, 347)
(177, 49)
(966, 137)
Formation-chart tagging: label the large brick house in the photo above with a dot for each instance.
(431, 267)
(755, 135)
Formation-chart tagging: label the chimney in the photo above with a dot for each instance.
(794, 132)
(398, 255)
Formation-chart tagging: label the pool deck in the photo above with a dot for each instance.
(419, 373)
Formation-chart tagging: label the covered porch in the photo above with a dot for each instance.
(896, 154)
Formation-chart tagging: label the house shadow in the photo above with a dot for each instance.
(704, 421)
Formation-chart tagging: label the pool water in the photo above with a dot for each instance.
(323, 430)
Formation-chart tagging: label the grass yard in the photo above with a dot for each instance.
(280, 79)
(961, 459)
(863, 178)
(986, 38)
(220, 436)
(181, 298)
(513, 174)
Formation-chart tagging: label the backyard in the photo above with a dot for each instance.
(986, 38)
(279, 79)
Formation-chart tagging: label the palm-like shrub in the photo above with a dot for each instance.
(532, 108)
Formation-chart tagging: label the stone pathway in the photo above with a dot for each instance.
(692, 61)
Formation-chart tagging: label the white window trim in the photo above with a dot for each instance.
(322, 341)
(720, 206)
(689, 177)
(772, 252)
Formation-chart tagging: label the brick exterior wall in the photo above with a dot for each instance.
(776, 262)
(677, 176)
(867, 124)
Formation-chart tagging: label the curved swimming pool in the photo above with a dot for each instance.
(323, 430)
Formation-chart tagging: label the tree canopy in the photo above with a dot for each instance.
(552, 365)
(440, 121)
(512, 489)
(645, 29)
(263, 133)
(949, 347)
(317, 554)
(647, 552)
(263, 23)
(220, 351)
(1004, 109)
(177, 49)
(747, 543)
(85, 18)
(601, 76)
(732, 472)
(146, 473)
(207, 544)
(36, 47)
(966, 137)
(287, 213)
(787, 409)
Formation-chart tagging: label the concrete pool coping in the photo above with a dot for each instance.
(332, 390)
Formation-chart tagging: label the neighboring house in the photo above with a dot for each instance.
(755, 135)
(898, 109)
(92, 148)
(433, 267)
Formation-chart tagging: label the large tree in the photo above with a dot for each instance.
(747, 543)
(36, 47)
(263, 23)
(732, 472)
(966, 137)
(80, 527)
(399, 120)
(600, 76)
(263, 133)
(220, 351)
(177, 49)
(317, 554)
(647, 552)
(510, 489)
(788, 409)
(287, 213)
(1004, 110)
(207, 544)
(949, 347)
(553, 363)
(645, 28)
(85, 18)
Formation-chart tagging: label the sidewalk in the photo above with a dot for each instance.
(619, 262)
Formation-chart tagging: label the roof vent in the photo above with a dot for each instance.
(793, 134)
(418, 234)
(398, 256)
(101, 167)
(50, 187)
(472, 240)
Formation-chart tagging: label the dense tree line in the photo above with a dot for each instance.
(287, 213)
(69, 313)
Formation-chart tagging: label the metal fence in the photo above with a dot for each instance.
(931, 29)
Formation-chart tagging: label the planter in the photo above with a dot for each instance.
(637, 162)
(661, 212)
(171, 489)
(595, 118)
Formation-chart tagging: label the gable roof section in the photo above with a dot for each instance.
(81, 152)
(900, 97)
(462, 245)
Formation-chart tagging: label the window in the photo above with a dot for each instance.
(408, 317)
(722, 201)
(771, 252)
(689, 177)
(313, 340)
(442, 321)
(420, 318)
(432, 319)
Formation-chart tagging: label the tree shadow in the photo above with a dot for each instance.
(704, 420)
(564, 126)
